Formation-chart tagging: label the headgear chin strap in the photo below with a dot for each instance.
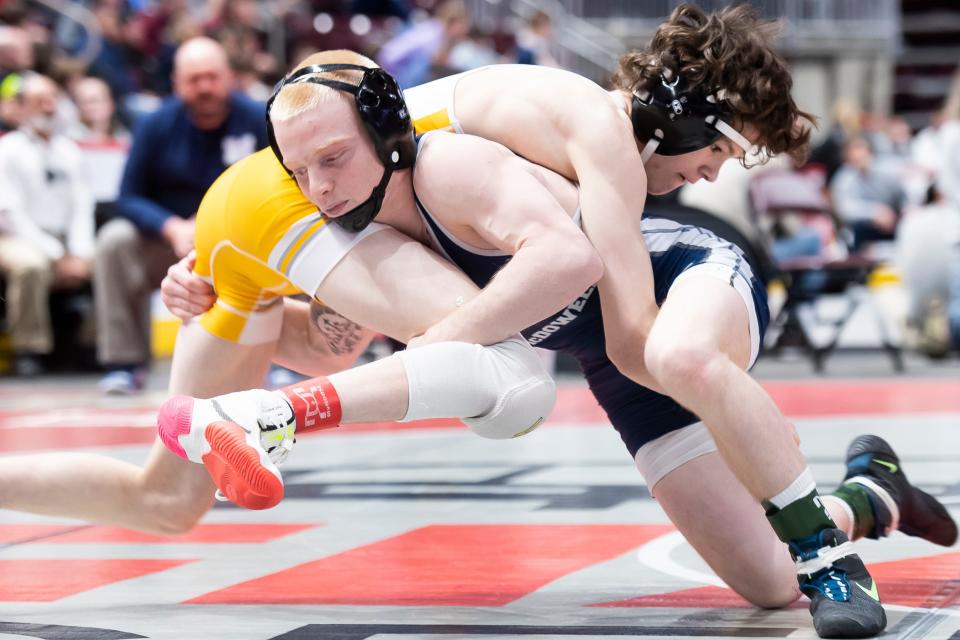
(675, 118)
(384, 115)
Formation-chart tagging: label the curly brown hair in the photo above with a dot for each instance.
(731, 49)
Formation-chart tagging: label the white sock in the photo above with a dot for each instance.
(799, 488)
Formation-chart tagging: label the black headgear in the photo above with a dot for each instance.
(385, 117)
(677, 117)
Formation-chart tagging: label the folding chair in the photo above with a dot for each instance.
(775, 196)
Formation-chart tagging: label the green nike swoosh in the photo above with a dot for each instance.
(872, 591)
(889, 465)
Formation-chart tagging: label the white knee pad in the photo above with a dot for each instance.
(501, 391)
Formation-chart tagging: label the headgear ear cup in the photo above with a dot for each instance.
(680, 118)
(383, 109)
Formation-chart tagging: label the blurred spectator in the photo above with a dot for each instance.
(46, 233)
(248, 79)
(9, 106)
(925, 148)
(103, 141)
(729, 197)
(66, 72)
(948, 182)
(473, 52)
(165, 25)
(796, 213)
(948, 173)
(412, 54)
(927, 245)
(16, 57)
(119, 61)
(177, 153)
(533, 41)
(98, 121)
(237, 25)
(847, 124)
(16, 49)
(868, 198)
(893, 141)
(37, 23)
(892, 145)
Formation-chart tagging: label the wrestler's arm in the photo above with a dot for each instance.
(396, 286)
(613, 189)
(471, 183)
(393, 285)
(314, 340)
(184, 293)
(580, 132)
(388, 282)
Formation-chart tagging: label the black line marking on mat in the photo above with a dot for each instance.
(507, 477)
(586, 497)
(59, 632)
(364, 631)
(576, 495)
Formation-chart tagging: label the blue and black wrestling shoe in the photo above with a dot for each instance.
(844, 600)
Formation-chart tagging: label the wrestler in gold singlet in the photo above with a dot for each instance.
(258, 238)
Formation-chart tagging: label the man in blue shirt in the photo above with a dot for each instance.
(868, 195)
(178, 151)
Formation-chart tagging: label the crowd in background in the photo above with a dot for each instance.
(870, 188)
(134, 41)
(88, 207)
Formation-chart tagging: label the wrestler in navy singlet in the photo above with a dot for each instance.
(638, 414)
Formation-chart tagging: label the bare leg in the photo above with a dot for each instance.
(168, 495)
(373, 392)
(744, 551)
(698, 350)
(316, 340)
(700, 346)
(727, 527)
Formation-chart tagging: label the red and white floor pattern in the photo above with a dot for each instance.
(397, 532)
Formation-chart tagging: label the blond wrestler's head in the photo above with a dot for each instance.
(324, 144)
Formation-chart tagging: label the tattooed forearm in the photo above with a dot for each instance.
(340, 334)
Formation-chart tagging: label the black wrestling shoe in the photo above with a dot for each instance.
(872, 464)
(844, 600)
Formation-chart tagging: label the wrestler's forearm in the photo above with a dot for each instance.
(538, 282)
(629, 309)
(612, 196)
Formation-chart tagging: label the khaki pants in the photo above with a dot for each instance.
(29, 275)
(127, 268)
